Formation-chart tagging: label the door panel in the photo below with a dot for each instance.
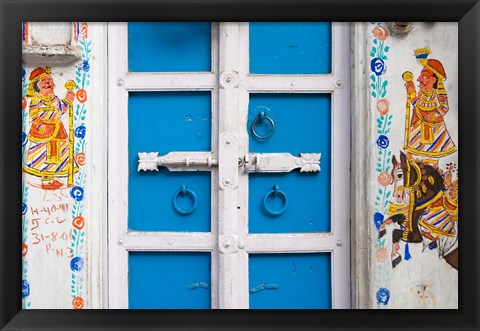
(168, 121)
(169, 280)
(290, 48)
(165, 122)
(169, 46)
(151, 198)
(308, 205)
(290, 281)
(302, 125)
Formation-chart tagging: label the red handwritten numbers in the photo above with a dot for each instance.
(44, 210)
(50, 231)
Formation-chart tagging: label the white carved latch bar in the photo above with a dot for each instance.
(281, 162)
(176, 161)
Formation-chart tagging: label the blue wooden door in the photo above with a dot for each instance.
(233, 142)
(168, 201)
(292, 123)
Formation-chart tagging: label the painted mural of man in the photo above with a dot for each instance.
(48, 151)
(427, 134)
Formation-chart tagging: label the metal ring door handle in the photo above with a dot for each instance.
(281, 195)
(262, 116)
(184, 191)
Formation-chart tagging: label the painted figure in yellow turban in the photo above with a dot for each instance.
(48, 154)
(426, 132)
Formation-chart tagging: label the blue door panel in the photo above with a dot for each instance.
(169, 280)
(302, 125)
(169, 121)
(169, 46)
(290, 48)
(151, 205)
(308, 204)
(290, 281)
(164, 122)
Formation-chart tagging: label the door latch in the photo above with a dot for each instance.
(176, 161)
(280, 162)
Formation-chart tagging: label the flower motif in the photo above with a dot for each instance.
(381, 254)
(78, 222)
(383, 295)
(84, 66)
(377, 65)
(384, 178)
(80, 159)
(25, 289)
(81, 95)
(76, 264)
(24, 208)
(452, 194)
(383, 141)
(378, 219)
(24, 249)
(77, 193)
(84, 30)
(80, 132)
(24, 103)
(24, 139)
(383, 106)
(451, 167)
(77, 303)
(380, 32)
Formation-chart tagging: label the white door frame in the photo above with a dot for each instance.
(229, 242)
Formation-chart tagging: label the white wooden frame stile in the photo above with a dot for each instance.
(228, 242)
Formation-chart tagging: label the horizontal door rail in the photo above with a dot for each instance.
(155, 81)
(292, 243)
(168, 241)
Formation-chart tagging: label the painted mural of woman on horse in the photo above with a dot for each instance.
(425, 209)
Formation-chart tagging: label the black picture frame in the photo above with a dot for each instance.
(12, 317)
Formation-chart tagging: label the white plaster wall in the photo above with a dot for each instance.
(47, 273)
(424, 281)
(50, 33)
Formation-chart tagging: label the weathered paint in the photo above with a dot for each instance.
(290, 48)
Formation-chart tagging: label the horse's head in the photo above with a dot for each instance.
(415, 178)
(402, 179)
